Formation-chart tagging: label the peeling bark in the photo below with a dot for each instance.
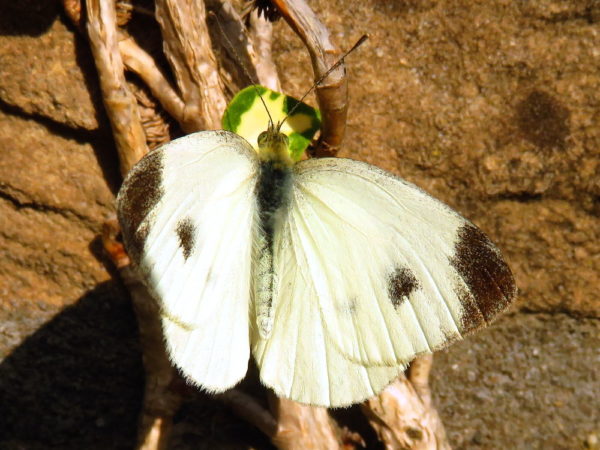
(189, 52)
(403, 416)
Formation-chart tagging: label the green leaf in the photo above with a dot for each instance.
(246, 116)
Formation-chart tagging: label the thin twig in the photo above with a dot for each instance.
(248, 57)
(188, 49)
(120, 104)
(238, 56)
(261, 34)
(142, 64)
(249, 409)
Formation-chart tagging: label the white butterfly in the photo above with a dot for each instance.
(336, 274)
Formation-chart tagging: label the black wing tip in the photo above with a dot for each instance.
(140, 192)
(491, 285)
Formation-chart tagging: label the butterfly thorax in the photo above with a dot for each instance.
(273, 146)
(273, 185)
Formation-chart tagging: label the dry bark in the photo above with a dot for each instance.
(186, 43)
(120, 104)
(303, 427)
(403, 416)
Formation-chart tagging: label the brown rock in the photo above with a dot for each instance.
(506, 387)
(53, 199)
(552, 247)
(50, 75)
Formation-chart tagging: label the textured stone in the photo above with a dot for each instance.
(50, 75)
(506, 387)
(53, 199)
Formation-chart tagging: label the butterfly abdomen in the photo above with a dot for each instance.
(272, 191)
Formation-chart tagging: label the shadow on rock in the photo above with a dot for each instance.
(77, 382)
(27, 17)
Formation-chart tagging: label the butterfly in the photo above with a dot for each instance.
(332, 273)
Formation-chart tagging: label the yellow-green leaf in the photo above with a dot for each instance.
(246, 116)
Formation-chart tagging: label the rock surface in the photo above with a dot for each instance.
(492, 107)
(48, 74)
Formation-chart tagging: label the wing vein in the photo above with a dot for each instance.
(358, 338)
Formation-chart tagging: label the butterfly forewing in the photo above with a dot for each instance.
(187, 212)
(380, 272)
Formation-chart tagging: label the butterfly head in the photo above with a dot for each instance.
(273, 146)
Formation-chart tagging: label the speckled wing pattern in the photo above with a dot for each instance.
(371, 271)
(187, 213)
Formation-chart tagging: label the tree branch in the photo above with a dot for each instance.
(163, 393)
(332, 92)
(120, 104)
(246, 407)
(188, 49)
(402, 418)
(248, 47)
(142, 64)
(261, 34)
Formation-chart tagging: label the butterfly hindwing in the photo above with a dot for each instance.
(187, 212)
(298, 360)
(380, 272)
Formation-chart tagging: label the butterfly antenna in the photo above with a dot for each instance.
(242, 65)
(360, 41)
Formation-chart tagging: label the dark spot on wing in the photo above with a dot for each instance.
(490, 282)
(185, 233)
(352, 305)
(227, 136)
(141, 190)
(543, 120)
(348, 306)
(401, 283)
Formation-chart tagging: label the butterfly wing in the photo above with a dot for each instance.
(299, 360)
(187, 213)
(371, 271)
